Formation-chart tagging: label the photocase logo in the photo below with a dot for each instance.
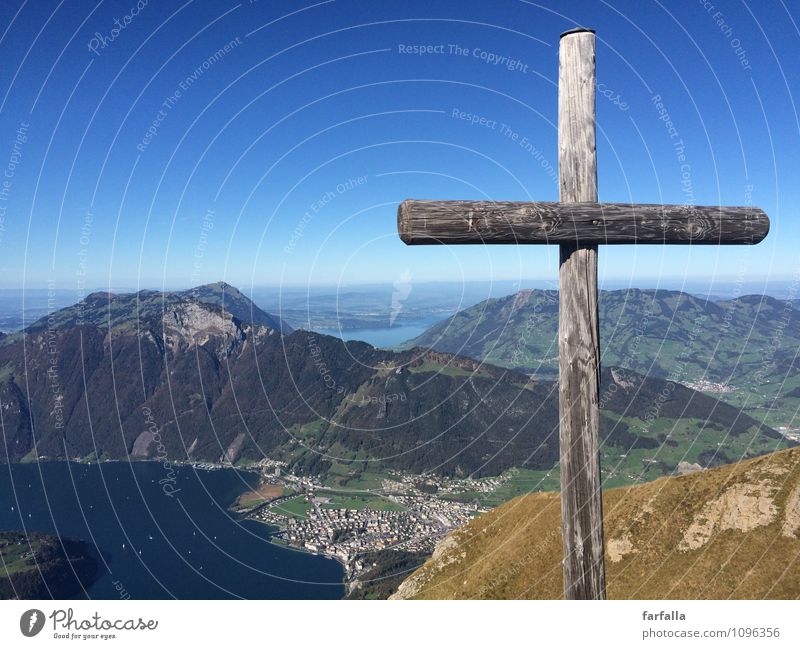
(31, 622)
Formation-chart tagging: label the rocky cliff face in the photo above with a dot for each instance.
(197, 324)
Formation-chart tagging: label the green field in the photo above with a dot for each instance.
(360, 501)
(523, 481)
(308, 432)
(768, 402)
(18, 556)
(678, 440)
(6, 371)
(294, 508)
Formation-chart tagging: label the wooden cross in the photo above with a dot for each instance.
(578, 224)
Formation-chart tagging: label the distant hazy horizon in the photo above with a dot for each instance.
(782, 284)
(20, 307)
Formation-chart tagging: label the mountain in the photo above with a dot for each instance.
(176, 376)
(745, 349)
(123, 312)
(730, 532)
(644, 330)
(233, 301)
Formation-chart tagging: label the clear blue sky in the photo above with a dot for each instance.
(139, 158)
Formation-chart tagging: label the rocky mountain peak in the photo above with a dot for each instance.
(149, 309)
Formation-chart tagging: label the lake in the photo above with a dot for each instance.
(187, 546)
(385, 337)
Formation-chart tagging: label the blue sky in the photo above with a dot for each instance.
(140, 156)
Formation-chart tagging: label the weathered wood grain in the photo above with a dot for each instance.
(423, 222)
(578, 329)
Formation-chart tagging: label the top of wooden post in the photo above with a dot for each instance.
(577, 30)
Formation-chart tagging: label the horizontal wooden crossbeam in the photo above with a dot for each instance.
(454, 222)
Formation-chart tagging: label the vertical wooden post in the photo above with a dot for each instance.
(578, 329)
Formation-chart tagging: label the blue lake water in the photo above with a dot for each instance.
(382, 337)
(187, 546)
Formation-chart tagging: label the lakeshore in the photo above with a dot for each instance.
(405, 514)
(392, 522)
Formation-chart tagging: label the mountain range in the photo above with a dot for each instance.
(205, 374)
(745, 350)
